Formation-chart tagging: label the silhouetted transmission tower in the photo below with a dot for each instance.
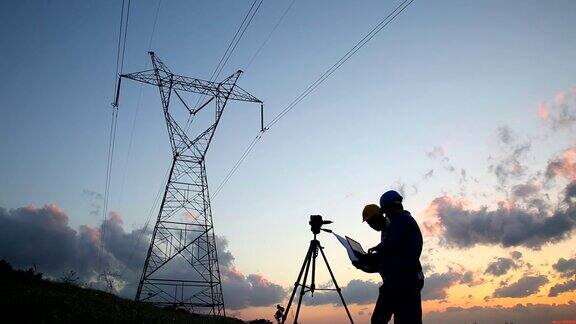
(181, 267)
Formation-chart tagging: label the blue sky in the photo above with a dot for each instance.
(443, 74)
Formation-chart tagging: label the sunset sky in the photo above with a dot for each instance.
(468, 108)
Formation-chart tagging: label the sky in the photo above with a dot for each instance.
(468, 108)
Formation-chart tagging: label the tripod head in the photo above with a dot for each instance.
(316, 223)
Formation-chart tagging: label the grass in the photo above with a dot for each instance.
(27, 298)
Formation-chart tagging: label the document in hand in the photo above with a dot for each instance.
(352, 247)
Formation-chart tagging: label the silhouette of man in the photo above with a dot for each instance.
(279, 313)
(397, 259)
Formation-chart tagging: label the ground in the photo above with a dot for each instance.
(25, 297)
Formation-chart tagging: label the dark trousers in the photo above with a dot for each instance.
(400, 297)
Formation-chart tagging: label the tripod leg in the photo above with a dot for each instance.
(335, 283)
(297, 283)
(303, 286)
(316, 245)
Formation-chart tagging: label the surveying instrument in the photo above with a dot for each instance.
(316, 223)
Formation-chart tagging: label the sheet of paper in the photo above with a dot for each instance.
(346, 245)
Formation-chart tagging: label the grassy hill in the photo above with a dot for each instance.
(27, 298)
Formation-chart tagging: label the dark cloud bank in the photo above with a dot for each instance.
(524, 287)
(42, 237)
(508, 225)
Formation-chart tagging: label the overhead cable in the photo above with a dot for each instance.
(138, 106)
(269, 35)
(229, 50)
(120, 53)
(381, 25)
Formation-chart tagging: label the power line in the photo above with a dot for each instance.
(246, 152)
(381, 25)
(118, 46)
(229, 50)
(160, 190)
(257, 138)
(154, 26)
(138, 106)
(269, 35)
(120, 54)
(125, 34)
(236, 39)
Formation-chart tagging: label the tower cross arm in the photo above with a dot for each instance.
(184, 83)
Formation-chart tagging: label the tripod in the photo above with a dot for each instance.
(311, 259)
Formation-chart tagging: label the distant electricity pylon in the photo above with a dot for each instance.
(181, 267)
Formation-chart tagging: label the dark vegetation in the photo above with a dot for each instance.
(25, 297)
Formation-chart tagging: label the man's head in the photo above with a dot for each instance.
(372, 214)
(391, 203)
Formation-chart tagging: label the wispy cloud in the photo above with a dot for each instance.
(564, 166)
(509, 164)
(559, 112)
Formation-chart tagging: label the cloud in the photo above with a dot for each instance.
(436, 285)
(500, 266)
(95, 198)
(562, 288)
(366, 292)
(564, 166)
(242, 291)
(355, 292)
(516, 255)
(505, 135)
(524, 287)
(524, 190)
(437, 152)
(566, 268)
(400, 187)
(560, 112)
(510, 165)
(508, 225)
(570, 192)
(42, 237)
(526, 314)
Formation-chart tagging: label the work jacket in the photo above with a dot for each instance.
(398, 254)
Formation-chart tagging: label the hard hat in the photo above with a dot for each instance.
(390, 197)
(370, 211)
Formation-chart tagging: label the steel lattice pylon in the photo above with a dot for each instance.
(181, 267)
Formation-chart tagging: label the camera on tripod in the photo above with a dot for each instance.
(309, 265)
(316, 223)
